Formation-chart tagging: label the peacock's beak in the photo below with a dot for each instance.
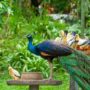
(26, 36)
(29, 35)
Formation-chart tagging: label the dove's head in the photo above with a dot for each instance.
(77, 37)
(9, 68)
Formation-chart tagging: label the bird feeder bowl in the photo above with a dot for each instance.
(32, 76)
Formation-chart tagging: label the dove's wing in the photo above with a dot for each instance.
(16, 73)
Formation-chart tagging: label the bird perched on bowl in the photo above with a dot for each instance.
(48, 50)
(14, 73)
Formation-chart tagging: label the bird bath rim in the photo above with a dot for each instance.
(32, 76)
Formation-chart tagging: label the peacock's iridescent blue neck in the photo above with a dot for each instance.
(32, 48)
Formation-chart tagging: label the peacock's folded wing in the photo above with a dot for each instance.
(54, 49)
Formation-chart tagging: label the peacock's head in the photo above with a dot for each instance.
(29, 36)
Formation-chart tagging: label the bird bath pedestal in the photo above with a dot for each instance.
(34, 84)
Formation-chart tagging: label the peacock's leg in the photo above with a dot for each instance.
(51, 71)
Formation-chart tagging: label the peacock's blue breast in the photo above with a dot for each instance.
(33, 49)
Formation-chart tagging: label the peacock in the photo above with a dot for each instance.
(76, 63)
(48, 49)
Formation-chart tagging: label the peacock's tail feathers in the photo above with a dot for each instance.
(78, 66)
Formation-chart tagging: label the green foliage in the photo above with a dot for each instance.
(77, 28)
(3, 7)
(60, 5)
(3, 10)
(3, 64)
(14, 46)
(46, 26)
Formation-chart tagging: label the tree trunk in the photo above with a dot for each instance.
(82, 15)
(7, 23)
(73, 84)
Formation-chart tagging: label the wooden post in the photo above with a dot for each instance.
(83, 15)
(34, 87)
(73, 84)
